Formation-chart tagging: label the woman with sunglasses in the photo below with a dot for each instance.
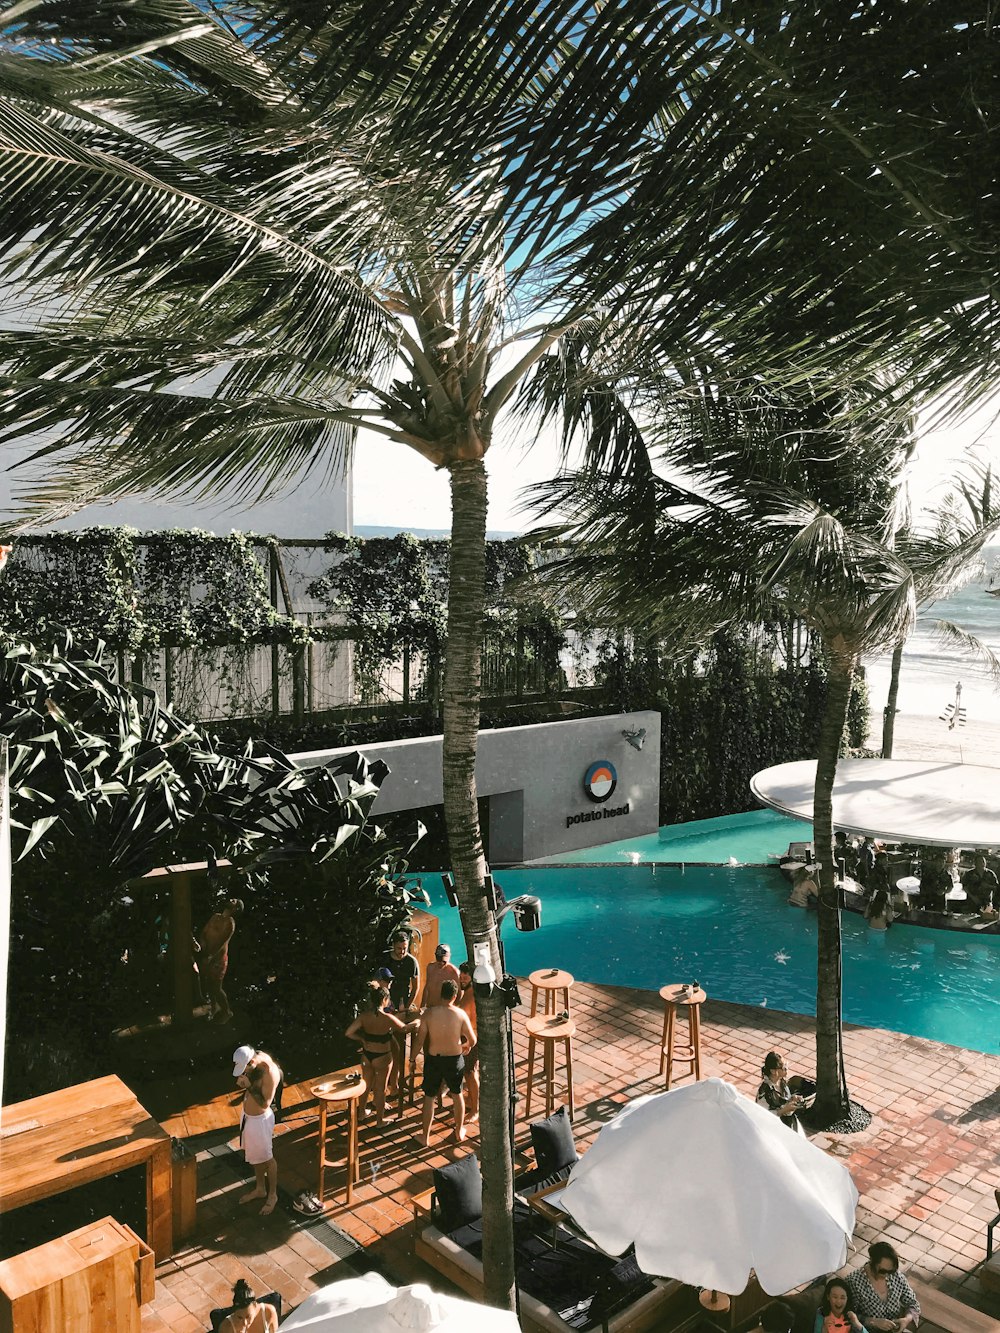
(881, 1295)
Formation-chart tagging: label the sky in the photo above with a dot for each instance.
(395, 487)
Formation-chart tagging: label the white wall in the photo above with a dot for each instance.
(534, 777)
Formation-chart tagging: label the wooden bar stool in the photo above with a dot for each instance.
(550, 1030)
(550, 980)
(340, 1089)
(677, 998)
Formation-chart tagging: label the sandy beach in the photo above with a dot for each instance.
(921, 737)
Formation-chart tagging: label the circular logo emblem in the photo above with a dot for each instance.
(600, 780)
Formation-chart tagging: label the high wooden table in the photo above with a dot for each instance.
(67, 1138)
(344, 1088)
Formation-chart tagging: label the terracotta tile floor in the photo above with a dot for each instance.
(926, 1167)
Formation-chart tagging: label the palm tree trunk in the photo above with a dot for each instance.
(832, 1100)
(463, 653)
(889, 716)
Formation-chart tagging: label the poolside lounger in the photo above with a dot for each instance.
(578, 1278)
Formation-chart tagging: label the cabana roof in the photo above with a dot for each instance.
(922, 801)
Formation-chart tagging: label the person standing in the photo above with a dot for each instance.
(446, 1033)
(438, 972)
(213, 957)
(257, 1073)
(980, 885)
(405, 972)
(375, 1028)
(467, 1003)
(404, 985)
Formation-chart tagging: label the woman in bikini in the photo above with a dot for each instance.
(374, 1027)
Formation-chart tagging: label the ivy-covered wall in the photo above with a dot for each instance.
(750, 699)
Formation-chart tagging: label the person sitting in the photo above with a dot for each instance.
(878, 913)
(249, 1315)
(775, 1094)
(935, 882)
(835, 1314)
(980, 885)
(805, 891)
(881, 1295)
(775, 1318)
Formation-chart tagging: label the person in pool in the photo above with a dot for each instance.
(835, 1314)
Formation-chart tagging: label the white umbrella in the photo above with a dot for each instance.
(708, 1185)
(370, 1305)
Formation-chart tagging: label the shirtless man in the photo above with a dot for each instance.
(213, 958)
(445, 1033)
(438, 972)
(467, 1002)
(259, 1076)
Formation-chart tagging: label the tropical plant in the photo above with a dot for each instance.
(254, 225)
(106, 784)
(766, 506)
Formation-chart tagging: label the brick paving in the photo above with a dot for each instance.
(926, 1167)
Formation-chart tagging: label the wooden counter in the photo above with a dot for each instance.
(91, 1281)
(67, 1138)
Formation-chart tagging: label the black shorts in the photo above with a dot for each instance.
(447, 1069)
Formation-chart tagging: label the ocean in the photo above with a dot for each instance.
(932, 666)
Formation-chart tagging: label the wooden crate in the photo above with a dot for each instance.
(90, 1281)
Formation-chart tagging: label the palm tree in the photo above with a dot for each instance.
(768, 506)
(235, 231)
(963, 510)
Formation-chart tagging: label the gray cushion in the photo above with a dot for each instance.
(459, 1190)
(552, 1141)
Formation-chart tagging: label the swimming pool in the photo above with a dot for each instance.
(731, 929)
(753, 838)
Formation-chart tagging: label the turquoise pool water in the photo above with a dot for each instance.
(731, 929)
(754, 838)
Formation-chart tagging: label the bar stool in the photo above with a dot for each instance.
(346, 1087)
(681, 998)
(550, 1030)
(550, 980)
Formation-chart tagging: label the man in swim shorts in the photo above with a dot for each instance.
(259, 1077)
(445, 1033)
(213, 957)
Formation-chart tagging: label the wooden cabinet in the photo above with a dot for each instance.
(91, 1281)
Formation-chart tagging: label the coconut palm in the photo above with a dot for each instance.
(966, 508)
(766, 506)
(234, 231)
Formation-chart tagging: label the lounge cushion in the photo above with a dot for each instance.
(552, 1141)
(459, 1190)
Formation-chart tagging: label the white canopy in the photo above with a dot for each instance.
(370, 1305)
(952, 805)
(708, 1185)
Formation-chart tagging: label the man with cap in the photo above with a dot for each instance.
(260, 1078)
(438, 972)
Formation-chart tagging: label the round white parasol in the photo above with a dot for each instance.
(708, 1185)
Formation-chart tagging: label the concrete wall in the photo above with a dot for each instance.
(534, 779)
